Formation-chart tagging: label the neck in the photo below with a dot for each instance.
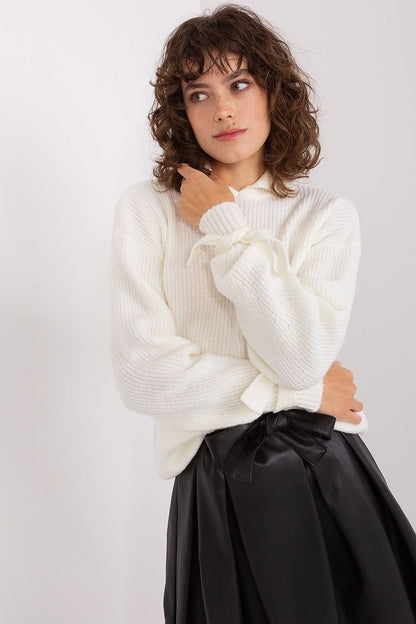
(238, 175)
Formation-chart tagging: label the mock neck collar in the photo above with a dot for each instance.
(264, 183)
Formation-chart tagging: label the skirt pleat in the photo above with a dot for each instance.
(286, 521)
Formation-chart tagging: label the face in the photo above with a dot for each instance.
(218, 102)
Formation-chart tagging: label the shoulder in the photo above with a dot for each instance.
(335, 214)
(324, 200)
(142, 201)
(141, 212)
(145, 196)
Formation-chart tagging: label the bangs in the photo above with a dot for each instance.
(200, 56)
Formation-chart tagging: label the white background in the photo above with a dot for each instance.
(83, 515)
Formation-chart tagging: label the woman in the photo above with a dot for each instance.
(232, 290)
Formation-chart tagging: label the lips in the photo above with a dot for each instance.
(230, 135)
(229, 131)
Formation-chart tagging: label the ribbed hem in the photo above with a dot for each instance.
(346, 427)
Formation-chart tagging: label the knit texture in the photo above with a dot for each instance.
(213, 326)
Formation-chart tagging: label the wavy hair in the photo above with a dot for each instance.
(292, 147)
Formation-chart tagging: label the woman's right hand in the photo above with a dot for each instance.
(338, 395)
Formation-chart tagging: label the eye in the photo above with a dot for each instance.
(245, 84)
(198, 96)
(194, 97)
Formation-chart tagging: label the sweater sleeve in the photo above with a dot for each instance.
(294, 321)
(164, 375)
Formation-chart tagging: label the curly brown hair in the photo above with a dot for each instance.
(292, 147)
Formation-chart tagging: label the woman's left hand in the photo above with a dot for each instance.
(199, 193)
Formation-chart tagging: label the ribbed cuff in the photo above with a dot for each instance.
(310, 398)
(222, 219)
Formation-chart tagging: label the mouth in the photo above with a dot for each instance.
(229, 135)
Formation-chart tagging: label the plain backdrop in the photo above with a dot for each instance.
(83, 515)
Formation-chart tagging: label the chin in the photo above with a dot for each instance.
(232, 159)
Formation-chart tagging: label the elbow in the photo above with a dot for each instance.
(129, 399)
(133, 399)
(126, 382)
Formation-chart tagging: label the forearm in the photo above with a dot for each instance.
(294, 317)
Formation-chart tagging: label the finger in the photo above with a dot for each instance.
(184, 170)
(338, 362)
(356, 418)
(356, 405)
(180, 169)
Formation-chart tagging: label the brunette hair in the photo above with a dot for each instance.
(292, 147)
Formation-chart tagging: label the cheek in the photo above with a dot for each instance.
(266, 121)
(258, 106)
(263, 105)
(196, 120)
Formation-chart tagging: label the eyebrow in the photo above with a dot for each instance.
(199, 85)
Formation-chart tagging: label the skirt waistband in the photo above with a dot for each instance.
(305, 432)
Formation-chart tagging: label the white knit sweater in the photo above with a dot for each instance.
(212, 327)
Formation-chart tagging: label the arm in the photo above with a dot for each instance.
(164, 375)
(294, 321)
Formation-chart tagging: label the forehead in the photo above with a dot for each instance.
(228, 64)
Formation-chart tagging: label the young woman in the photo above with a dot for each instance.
(232, 290)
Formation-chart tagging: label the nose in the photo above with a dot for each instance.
(224, 109)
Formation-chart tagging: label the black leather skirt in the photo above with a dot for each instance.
(286, 521)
